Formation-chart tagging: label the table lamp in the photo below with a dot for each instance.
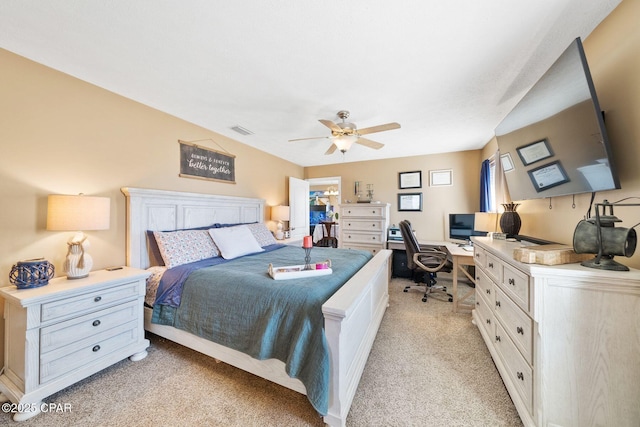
(486, 221)
(280, 214)
(78, 213)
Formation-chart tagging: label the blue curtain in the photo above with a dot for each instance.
(485, 186)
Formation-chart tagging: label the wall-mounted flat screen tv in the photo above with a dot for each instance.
(554, 141)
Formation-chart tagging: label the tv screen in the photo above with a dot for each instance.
(554, 141)
(461, 227)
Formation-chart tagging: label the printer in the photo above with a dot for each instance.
(394, 233)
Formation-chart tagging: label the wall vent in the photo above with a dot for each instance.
(241, 130)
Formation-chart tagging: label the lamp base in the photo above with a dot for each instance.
(605, 263)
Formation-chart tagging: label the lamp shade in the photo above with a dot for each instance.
(485, 221)
(344, 142)
(280, 213)
(78, 213)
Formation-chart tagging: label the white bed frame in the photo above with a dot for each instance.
(351, 316)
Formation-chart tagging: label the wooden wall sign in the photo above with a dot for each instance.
(205, 163)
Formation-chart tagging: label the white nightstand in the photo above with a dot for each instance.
(61, 333)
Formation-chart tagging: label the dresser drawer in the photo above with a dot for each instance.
(372, 225)
(517, 324)
(351, 237)
(493, 268)
(516, 284)
(64, 333)
(374, 249)
(364, 211)
(484, 286)
(518, 370)
(89, 301)
(485, 314)
(479, 256)
(86, 351)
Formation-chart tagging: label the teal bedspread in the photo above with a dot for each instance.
(237, 304)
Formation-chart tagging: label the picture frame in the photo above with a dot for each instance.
(534, 152)
(410, 202)
(438, 178)
(548, 176)
(411, 179)
(507, 162)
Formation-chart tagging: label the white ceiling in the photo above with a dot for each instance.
(447, 71)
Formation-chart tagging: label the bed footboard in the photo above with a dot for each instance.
(352, 318)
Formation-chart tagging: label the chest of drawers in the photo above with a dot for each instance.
(364, 226)
(565, 339)
(65, 331)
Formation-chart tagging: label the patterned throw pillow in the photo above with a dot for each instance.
(185, 246)
(153, 282)
(262, 234)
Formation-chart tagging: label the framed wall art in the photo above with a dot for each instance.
(410, 202)
(534, 152)
(410, 180)
(440, 177)
(547, 176)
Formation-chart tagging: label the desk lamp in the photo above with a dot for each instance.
(74, 213)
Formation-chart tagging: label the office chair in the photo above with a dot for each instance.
(426, 260)
(327, 241)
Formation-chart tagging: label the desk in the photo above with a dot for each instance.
(460, 258)
(318, 233)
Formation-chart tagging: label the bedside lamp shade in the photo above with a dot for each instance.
(78, 213)
(280, 213)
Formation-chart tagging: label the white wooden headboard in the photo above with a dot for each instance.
(172, 210)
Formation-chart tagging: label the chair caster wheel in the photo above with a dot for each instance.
(405, 290)
(424, 300)
(450, 299)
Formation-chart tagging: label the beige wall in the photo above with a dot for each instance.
(61, 135)
(437, 202)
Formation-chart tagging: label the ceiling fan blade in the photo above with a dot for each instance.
(334, 127)
(379, 128)
(331, 149)
(304, 139)
(369, 143)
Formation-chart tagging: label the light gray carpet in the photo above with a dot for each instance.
(428, 367)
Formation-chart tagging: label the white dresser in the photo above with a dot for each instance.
(364, 226)
(565, 339)
(58, 334)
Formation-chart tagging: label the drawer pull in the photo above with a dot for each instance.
(349, 224)
(512, 281)
(520, 376)
(96, 323)
(96, 348)
(373, 212)
(497, 303)
(373, 225)
(488, 321)
(520, 330)
(490, 265)
(477, 302)
(477, 255)
(97, 299)
(498, 338)
(488, 291)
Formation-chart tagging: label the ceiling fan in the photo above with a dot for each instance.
(344, 134)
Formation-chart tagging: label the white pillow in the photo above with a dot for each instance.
(184, 246)
(235, 241)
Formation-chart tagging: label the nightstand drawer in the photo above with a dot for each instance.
(89, 301)
(64, 333)
(89, 350)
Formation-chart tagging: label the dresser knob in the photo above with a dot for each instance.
(497, 337)
(520, 376)
(96, 348)
(96, 323)
(512, 281)
(97, 299)
(497, 303)
(520, 330)
(489, 291)
(488, 321)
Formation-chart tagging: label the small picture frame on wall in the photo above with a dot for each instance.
(547, 176)
(410, 202)
(507, 163)
(534, 152)
(409, 180)
(440, 178)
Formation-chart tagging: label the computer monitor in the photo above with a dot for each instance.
(461, 228)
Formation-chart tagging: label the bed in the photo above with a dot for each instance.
(352, 314)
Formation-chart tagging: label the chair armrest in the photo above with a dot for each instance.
(435, 258)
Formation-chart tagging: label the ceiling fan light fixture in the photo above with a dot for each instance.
(344, 142)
